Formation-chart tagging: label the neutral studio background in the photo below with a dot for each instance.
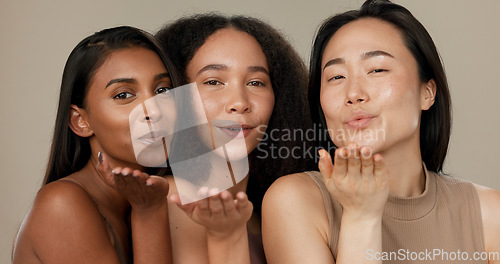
(37, 37)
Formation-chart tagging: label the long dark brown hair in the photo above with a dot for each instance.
(288, 75)
(69, 152)
(435, 125)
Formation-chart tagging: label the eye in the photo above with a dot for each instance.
(213, 82)
(256, 83)
(163, 90)
(378, 70)
(337, 77)
(123, 95)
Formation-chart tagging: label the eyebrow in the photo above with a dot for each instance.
(133, 81)
(217, 67)
(222, 67)
(366, 55)
(121, 80)
(258, 69)
(333, 62)
(161, 76)
(375, 53)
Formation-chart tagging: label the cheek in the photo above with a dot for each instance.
(102, 119)
(331, 106)
(266, 104)
(212, 105)
(406, 109)
(113, 129)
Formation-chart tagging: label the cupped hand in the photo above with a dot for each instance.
(143, 191)
(219, 213)
(357, 180)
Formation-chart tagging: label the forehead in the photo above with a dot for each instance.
(130, 60)
(366, 34)
(230, 44)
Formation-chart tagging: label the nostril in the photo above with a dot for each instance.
(147, 118)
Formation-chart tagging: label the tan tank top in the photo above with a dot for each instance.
(442, 225)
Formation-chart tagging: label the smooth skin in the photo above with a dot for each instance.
(367, 71)
(225, 220)
(66, 222)
(232, 75)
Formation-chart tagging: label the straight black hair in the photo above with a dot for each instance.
(69, 152)
(435, 125)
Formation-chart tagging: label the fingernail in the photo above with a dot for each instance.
(366, 152)
(99, 157)
(321, 153)
(344, 153)
(204, 190)
(213, 191)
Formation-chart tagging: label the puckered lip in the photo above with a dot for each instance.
(359, 119)
(234, 129)
(153, 137)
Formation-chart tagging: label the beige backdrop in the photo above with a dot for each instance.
(37, 37)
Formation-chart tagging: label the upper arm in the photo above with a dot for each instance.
(65, 226)
(490, 204)
(294, 222)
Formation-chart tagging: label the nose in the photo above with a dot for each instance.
(152, 111)
(237, 101)
(356, 93)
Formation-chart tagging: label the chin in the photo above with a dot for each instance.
(373, 145)
(152, 158)
(234, 151)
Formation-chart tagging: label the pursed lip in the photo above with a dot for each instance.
(232, 128)
(359, 120)
(153, 137)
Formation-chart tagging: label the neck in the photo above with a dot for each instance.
(106, 197)
(405, 172)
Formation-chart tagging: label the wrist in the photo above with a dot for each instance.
(360, 218)
(232, 236)
(150, 210)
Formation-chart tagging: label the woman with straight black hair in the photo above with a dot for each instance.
(84, 213)
(378, 85)
(246, 72)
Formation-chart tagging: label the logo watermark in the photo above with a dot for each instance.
(430, 255)
(307, 136)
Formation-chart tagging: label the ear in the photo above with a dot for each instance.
(428, 94)
(78, 122)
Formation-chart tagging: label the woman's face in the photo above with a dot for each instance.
(371, 93)
(122, 112)
(232, 75)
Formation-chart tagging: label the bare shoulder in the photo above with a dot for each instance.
(62, 216)
(299, 185)
(295, 227)
(490, 202)
(62, 198)
(60, 205)
(294, 193)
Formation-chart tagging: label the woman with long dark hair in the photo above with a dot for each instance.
(378, 85)
(246, 72)
(83, 212)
